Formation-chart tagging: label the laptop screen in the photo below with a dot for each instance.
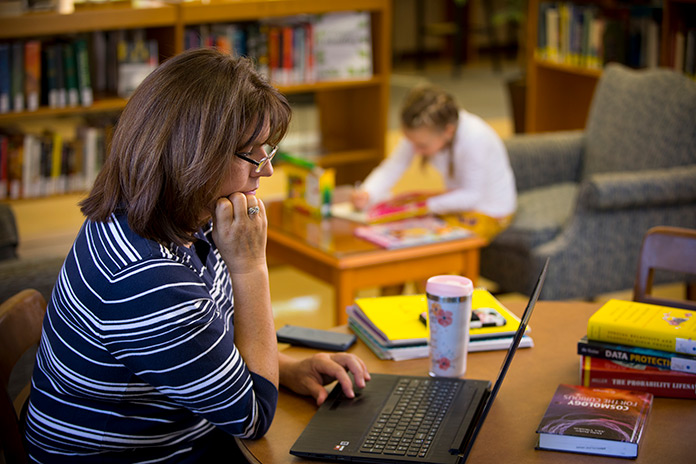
(508, 358)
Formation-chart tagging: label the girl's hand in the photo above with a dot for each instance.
(239, 236)
(360, 199)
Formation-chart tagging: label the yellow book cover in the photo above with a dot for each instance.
(644, 325)
(397, 318)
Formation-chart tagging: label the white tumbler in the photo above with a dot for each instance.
(449, 315)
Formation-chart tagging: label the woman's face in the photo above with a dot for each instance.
(428, 141)
(242, 175)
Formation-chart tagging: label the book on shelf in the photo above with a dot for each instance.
(597, 372)
(72, 92)
(601, 421)
(419, 349)
(51, 85)
(649, 326)
(5, 77)
(32, 73)
(17, 77)
(137, 58)
(411, 232)
(396, 319)
(14, 161)
(637, 355)
(343, 45)
(4, 166)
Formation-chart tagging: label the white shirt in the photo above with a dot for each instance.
(482, 178)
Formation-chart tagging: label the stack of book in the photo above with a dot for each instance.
(641, 347)
(395, 327)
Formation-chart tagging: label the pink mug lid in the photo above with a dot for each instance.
(449, 286)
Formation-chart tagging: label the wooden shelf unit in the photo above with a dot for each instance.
(558, 95)
(352, 114)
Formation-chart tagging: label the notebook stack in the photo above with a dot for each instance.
(395, 327)
(642, 347)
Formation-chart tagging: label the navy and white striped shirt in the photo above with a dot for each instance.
(137, 361)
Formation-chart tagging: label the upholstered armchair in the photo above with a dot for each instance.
(586, 198)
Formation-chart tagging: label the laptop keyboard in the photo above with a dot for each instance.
(407, 424)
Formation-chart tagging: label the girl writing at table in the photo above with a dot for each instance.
(158, 343)
(468, 154)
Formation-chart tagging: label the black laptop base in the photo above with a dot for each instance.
(350, 442)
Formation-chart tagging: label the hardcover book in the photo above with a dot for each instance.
(645, 325)
(597, 372)
(637, 355)
(602, 421)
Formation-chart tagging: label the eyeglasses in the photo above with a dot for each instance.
(270, 153)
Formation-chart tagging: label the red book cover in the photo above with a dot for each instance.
(309, 53)
(274, 52)
(597, 372)
(32, 73)
(603, 421)
(287, 54)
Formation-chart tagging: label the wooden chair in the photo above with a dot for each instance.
(669, 249)
(21, 317)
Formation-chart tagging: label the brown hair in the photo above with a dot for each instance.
(431, 107)
(176, 136)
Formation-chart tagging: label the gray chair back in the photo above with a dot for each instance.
(640, 120)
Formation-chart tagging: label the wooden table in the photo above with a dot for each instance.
(328, 250)
(508, 434)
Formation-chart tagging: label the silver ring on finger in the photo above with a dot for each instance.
(253, 211)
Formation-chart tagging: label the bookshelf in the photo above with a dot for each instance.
(560, 87)
(352, 112)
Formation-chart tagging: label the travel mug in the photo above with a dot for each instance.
(449, 314)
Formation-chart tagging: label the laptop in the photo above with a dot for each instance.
(404, 419)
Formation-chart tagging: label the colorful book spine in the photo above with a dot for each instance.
(637, 355)
(61, 88)
(274, 58)
(51, 60)
(56, 181)
(645, 325)
(17, 77)
(4, 165)
(72, 92)
(5, 77)
(31, 166)
(83, 77)
(15, 160)
(596, 372)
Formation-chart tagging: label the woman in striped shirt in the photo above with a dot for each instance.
(159, 343)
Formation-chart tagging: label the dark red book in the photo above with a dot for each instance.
(597, 372)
